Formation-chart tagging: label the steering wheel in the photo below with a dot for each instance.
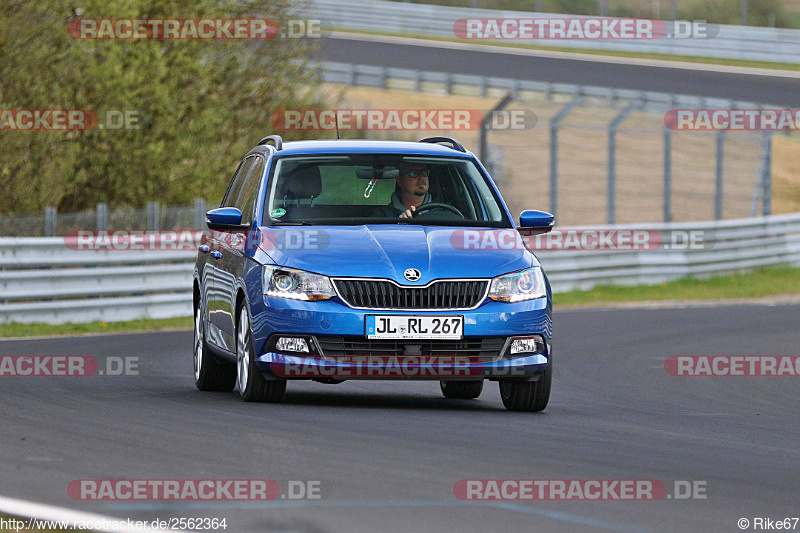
(447, 207)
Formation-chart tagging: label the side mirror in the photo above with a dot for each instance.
(536, 221)
(225, 219)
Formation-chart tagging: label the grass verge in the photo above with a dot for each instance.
(39, 330)
(772, 281)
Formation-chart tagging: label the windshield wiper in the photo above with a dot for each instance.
(303, 223)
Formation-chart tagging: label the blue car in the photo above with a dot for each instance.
(359, 259)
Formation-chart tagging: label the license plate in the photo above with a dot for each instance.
(414, 327)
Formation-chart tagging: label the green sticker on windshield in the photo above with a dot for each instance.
(277, 213)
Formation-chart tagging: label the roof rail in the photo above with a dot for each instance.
(454, 144)
(275, 139)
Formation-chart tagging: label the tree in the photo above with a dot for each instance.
(201, 103)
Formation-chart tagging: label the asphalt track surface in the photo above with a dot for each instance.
(388, 453)
(772, 90)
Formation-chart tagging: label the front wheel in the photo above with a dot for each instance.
(252, 385)
(461, 390)
(527, 395)
(209, 374)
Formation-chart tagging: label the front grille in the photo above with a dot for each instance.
(484, 348)
(443, 294)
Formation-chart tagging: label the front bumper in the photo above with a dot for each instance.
(332, 317)
(280, 366)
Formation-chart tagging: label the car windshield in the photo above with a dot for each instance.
(359, 189)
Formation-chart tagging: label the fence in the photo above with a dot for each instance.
(152, 217)
(596, 154)
(42, 280)
(731, 42)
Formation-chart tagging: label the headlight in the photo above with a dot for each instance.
(296, 284)
(526, 284)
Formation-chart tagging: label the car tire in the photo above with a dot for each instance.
(251, 383)
(527, 395)
(209, 373)
(461, 390)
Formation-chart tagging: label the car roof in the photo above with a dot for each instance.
(349, 146)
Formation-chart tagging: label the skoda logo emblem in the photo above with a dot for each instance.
(412, 274)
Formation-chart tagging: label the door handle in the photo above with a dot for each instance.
(204, 248)
(216, 254)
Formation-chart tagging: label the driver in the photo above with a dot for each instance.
(410, 193)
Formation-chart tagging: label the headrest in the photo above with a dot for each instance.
(303, 182)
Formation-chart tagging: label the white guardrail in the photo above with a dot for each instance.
(43, 280)
(421, 20)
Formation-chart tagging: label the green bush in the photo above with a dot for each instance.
(204, 103)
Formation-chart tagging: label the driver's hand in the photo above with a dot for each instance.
(408, 213)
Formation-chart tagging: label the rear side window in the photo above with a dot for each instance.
(236, 183)
(247, 197)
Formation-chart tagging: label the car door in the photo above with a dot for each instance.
(232, 247)
(219, 313)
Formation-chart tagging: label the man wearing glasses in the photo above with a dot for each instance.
(410, 193)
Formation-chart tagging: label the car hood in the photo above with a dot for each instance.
(387, 250)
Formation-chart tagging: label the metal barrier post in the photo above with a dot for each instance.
(667, 175)
(152, 216)
(199, 213)
(484, 128)
(101, 216)
(554, 123)
(719, 174)
(763, 187)
(766, 196)
(50, 221)
(612, 159)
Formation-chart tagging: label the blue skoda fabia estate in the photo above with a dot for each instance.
(357, 259)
